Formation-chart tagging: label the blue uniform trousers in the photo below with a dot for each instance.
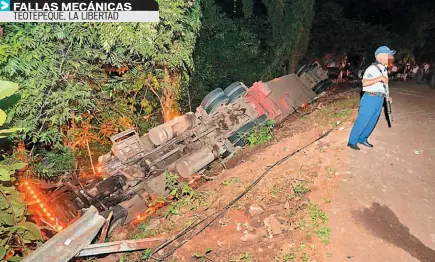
(368, 115)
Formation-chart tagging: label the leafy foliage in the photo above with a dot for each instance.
(260, 134)
(7, 89)
(248, 41)
(16, 233)
(55, 162)
(291, 22)
(229, 49)
(105, 74)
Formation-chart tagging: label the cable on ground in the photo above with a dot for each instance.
(217, 214)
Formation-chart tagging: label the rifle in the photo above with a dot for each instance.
(387, 103)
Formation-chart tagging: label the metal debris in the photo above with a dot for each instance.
(120, 246)
(67, 243)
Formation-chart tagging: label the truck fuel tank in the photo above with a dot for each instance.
(195, 161)
(165, 132)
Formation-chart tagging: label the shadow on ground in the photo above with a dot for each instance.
(383, 223)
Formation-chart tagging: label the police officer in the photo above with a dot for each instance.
(375, 86)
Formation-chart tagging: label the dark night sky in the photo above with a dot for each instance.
(395, 15)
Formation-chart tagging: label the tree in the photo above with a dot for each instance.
(114, 72)
(229, 49)
(333, 32)
(291, 23)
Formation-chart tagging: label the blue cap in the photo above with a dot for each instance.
(384, 50)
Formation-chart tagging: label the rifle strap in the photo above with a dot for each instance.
(380, 71)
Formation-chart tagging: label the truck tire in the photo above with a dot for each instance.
(301, 70)
(214, 99)
(322, 86)
(235, 90)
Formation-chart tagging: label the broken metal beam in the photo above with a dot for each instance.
(119, 246)
(67, 243)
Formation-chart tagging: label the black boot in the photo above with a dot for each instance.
(354, 147)
(367, 144)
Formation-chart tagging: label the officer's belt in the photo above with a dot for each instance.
(375, 94)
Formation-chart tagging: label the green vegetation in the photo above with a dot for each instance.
(202, 256)
(260, 134)
(183, 195)
(246, 257)
(83, 82)
(54, 162)
(143, 232)
(316, 223)
(297, 252)
(300, 188)
(230, 181)
(17, 234)
(146, 254)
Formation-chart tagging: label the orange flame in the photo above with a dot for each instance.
(173, 115)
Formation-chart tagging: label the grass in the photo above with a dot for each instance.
(317, 223)
(143, 232)
(246, 257)
(202, 256)
(182, 193)
(327, 201)
(260, 134)
(331, 172)
(336, 111)
(296, 253)
(300, 188)
(230, 181)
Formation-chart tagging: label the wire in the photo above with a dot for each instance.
(217, 214)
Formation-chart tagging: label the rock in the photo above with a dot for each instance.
(250, 237)
(273, 226)
(259, 234)
(220, 243)
(160, 252)
(239, 227)
(287, 205)
(153, 224)
(260, 250)
(249, 228)
(255, 210)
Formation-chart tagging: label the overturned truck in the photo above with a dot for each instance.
(134, 169)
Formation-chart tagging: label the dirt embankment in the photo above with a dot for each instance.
(282, 218)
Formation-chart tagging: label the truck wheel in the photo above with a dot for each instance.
(221, 100)
(235, 90)
(322, 86)
(214, 99)
(301, 70)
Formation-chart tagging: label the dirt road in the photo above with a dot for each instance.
(383, 207)
(379, 201)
